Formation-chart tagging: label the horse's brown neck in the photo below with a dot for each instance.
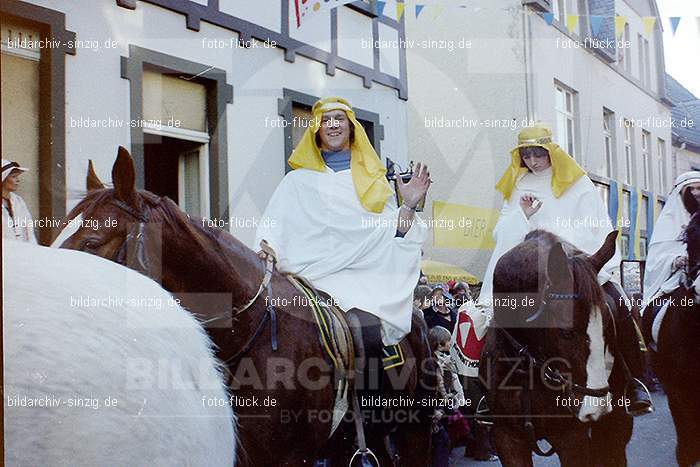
(201, 259)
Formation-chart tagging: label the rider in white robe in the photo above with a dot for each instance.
(550, 191)
(667, 251)
(340, 229)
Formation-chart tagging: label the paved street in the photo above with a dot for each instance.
(653, 442)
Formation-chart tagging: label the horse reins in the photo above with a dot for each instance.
(266, 282)
(551, 375)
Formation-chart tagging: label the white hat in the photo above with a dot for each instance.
(8, 167)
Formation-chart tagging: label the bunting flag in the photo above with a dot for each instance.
(675, 20)
(596, 23)
(571, 22)
(419, 8)
(380, 8)
(548, 17)
(614, 205)
(649, 22)
(306, 9)
(635, 224)
(620, 22)
(400, 7)
(651, 209)
(437, 11)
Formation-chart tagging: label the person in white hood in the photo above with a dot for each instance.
(667, 255)
(545, 188)
(17, 222)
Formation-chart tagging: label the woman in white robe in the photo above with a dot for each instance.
(544, 188)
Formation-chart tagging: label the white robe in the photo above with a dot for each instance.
(579, 216)
(320, 231)
(22, 227)
(660, 277)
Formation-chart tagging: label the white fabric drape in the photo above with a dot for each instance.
(579, 216)
(319, 230)
(660, 277)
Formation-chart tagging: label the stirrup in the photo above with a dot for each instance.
(366, 459)
(643, 410)
(483, 413)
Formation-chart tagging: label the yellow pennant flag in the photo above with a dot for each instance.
(400, 7)
(620, 22)
(437, 10)
(649, 22)
(571, 22)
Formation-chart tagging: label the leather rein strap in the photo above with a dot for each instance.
(270, 311)
(551, 375)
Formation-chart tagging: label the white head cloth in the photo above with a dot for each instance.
(666, 245)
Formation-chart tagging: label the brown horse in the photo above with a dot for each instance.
(280, 377)
(547, 359)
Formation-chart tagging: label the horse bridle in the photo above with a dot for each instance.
(270, 311)
(551, 375)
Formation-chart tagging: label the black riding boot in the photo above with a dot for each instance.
(371, 332)
(630, 347)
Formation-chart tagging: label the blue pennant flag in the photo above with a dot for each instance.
(596, 22)
(548, 17)
(419, 8)
(380, 8)
(675, 20)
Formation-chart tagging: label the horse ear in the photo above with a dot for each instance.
(124, 176)
(92, 181)
(607, 251)
(558, 265)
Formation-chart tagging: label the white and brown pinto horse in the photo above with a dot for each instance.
(102, 367)
(548, 357)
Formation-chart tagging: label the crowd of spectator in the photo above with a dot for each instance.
(455, 424)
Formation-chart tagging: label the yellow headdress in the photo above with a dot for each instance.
(565, 170)
(368, 173)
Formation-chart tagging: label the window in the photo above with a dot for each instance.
(674, 161)
(646, 159)
(661, 166)
(565, 131)
(644, 65)
(625, 245)
(643, 248)
(561, 9)
(176, 156)
(604, 192)
(647, 64)
(625, 54)
(608, 141)
(628, 152)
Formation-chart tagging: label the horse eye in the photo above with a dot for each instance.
(90, 245)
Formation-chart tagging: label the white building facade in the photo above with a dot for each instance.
(203, 93)
(527, 61)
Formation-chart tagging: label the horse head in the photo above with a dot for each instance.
(136, 227)
(691, 237)
(547, 298)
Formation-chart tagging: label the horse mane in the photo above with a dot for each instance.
(166, 210)
(585, 277)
